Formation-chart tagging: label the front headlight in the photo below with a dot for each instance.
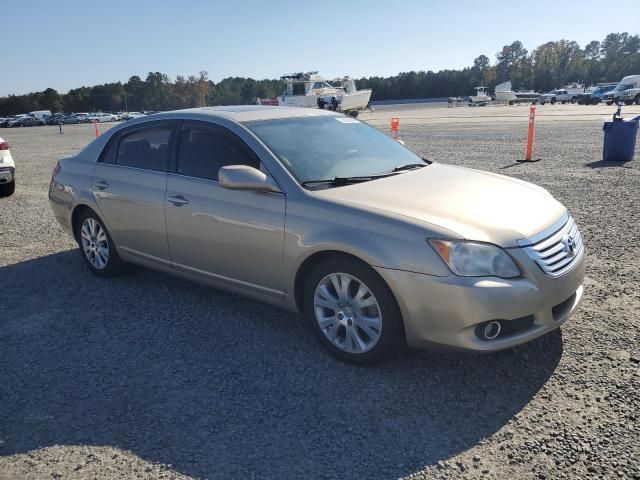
(474, 259)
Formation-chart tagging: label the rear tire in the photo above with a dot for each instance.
(7, 189)
(359, 322)
(637, 99)
(96, 246)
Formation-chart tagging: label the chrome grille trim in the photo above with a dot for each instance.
(552, 254)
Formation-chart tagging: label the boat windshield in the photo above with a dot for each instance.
(326, 147)
(299, 88)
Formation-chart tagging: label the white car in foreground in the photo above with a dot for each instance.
(7, 170)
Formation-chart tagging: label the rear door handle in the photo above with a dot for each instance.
(177, 200)
(101, 184)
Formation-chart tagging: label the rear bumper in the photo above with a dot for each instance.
(449, 310)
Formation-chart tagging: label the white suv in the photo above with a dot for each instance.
(7, 170)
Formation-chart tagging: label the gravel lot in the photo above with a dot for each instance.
(149, 376)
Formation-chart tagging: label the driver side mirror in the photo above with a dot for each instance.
(244, 177)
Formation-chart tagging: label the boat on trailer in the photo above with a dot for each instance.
(310, 90)
(481, 97)
(505, 93)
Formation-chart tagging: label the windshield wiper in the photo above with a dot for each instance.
(365, 178)
(409, 166)
(345, 180)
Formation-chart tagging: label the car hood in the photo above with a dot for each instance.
(474, 204)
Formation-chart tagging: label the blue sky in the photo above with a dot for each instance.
(67, 43)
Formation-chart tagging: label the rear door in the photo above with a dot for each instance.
(129, 186)
(230, 236)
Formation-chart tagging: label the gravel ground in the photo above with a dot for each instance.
(149, 376)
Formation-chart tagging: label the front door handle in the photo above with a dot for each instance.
(101, 184)
(177, 200)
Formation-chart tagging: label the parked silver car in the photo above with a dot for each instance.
(323, 214)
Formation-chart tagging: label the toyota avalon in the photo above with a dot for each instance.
(324, 215)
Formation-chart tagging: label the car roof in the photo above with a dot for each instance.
(248, 113)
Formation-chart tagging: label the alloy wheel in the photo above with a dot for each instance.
(348, 313)
(94, 243)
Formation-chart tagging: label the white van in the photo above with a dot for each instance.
(41, 114)
(627, 83)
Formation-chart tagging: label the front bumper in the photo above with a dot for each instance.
(449, 310)
(6, 174)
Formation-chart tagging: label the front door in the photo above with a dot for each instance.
(129, 185)
(231, 236)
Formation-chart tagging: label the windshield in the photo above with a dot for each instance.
(326, 147)
(622, 87)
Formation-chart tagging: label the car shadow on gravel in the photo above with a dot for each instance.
(220, 386)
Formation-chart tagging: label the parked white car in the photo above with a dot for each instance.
(7, 170)
(102, 117)
(41, 114)
(131, 115)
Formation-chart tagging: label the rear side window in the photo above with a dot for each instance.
(204, 150)
(111, 151)
(147, 149)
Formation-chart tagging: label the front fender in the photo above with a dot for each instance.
(379, 239)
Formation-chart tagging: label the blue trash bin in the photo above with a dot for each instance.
(619, 139)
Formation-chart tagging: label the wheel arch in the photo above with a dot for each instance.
(315, 259)
(78, 210)
(318, 257)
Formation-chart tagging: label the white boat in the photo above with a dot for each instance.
(481, 96)
(308, 89)
(505, 93)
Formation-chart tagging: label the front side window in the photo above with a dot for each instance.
(203, 150)
(147, 149)
(324, 147)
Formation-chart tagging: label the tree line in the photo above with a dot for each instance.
(548, 66)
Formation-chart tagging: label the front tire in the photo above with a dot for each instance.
(7, 189)
(96, 247)
(352, 311)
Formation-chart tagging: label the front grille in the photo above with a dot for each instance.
(559, 252)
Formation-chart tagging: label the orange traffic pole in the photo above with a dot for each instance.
(395, 127)
(532, 119)
(95, 124)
